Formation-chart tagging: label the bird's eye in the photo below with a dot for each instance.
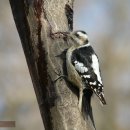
(87, 41)
(77, 35)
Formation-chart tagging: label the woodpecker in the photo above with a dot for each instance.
(83, 66)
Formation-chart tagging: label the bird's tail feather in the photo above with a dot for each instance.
(86, 105)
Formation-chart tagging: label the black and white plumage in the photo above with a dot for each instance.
(83, 66)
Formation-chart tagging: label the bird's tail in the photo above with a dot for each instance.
(86, 105)
(86, 101)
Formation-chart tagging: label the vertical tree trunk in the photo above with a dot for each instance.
(35, 20)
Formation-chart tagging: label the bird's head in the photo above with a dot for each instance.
(80, 37)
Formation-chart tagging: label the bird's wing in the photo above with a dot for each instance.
(87, 67)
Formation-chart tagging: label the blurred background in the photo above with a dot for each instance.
(107, 23)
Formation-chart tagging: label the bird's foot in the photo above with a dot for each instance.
(60, 76)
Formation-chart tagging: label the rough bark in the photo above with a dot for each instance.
(35, 20)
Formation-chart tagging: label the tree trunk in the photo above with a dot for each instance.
(35, 21)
